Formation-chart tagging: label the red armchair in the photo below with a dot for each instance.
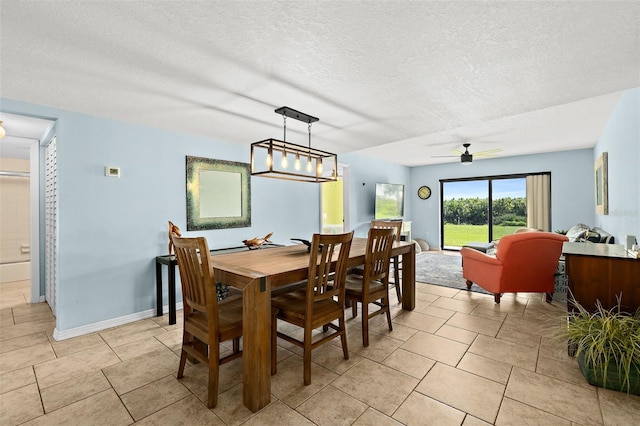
(524, 262)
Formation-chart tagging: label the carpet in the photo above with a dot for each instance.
(442, 269)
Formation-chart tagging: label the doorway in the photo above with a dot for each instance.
(334, 203)
(22, 143)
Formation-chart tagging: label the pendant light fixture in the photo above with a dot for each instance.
(271, 157)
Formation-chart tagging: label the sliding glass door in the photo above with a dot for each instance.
(481, 209)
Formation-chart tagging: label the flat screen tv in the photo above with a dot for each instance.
(389, 201)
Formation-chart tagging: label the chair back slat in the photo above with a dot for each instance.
(196, 275)
(379, 245)
(326, 281)
(396, 225)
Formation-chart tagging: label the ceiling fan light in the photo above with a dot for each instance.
(466, 158)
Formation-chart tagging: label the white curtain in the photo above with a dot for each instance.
(539, 201)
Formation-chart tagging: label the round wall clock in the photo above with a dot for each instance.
(424, 192)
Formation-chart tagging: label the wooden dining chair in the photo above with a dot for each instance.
(373, 285)
(207, 322)
(322, 300)
(395, 260)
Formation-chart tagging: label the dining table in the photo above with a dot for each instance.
(255, 273)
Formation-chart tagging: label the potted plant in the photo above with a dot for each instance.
(607, 346)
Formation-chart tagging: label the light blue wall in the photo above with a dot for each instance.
(621, 140)
(365, 172)
(572, 195)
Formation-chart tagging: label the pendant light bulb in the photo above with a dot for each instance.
(319, 167)
(284, 162)
(269, 158)
(297, 164)
(2, 132)
(309, 165)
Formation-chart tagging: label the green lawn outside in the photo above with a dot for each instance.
(459, 235)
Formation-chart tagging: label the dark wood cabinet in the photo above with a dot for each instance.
(602, 272)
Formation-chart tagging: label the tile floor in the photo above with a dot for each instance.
(457, 359)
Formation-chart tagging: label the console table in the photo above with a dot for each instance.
(601, 272)
(171, 262)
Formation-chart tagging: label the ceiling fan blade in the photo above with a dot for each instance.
(489, 151)
(445, 156)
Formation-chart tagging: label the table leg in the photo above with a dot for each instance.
(172, 293)
(256, 353)
(409, 279)
(158, 289)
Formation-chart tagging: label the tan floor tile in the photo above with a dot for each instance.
(16, 379)
(618, 408)
(482, 311)
(455, 305)
(33, 316)
(513, 412)
(485, 367)
(101, 409)
(434, 290)
(231, 409)
(154, 396)
(508, 305)
(23, 342)
(373, 417)
(400, 331)
(288, 384)
(133, 332)
(457, 334)
(420, 409)
(519, 337)
(137, 348)
(24, 329)
(469, 420)
(278, 414)
(380, 387)
(379, 347)
(73, 390)
(171, 339)
(476, 324)
(332, 358)
(77, 344)
(575, 403)
(189, 410)
(434, 311)
(24, 357)
(420, 321)
(133, 373)
(467, 392)
(510, 353)
(409, 363)
(561, 370)
(436, 347)
(20, 405)
(472, 296)
(78, 364)
(538, 327)
(6, 314)
(331, 406)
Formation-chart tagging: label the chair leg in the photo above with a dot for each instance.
(183, 361)
(354, 309)
(307, 356)
(496, 297)
(212, 397)
(396, 277)
(469, 283)
(365, 324)
(343, 337)
(549, 297)
(274, 342)
(386, 302)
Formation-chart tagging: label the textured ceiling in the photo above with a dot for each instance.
(400, 80)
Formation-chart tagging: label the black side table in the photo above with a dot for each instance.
(171, 262)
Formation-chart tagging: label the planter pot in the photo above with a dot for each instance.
(614, 380)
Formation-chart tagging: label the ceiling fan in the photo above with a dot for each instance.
(466, 157)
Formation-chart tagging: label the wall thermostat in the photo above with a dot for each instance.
(112, 171)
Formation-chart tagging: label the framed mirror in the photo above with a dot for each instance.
(218, 194)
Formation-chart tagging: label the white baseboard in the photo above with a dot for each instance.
(103, 325)
(19, 271)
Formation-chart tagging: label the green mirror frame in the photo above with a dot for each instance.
(218, 194)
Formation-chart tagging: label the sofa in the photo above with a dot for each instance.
(582, 233)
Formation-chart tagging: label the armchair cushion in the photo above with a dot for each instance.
(524, 262)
